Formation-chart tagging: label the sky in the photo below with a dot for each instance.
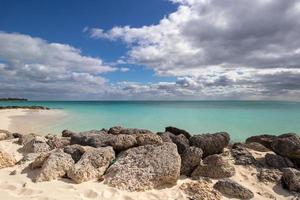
(150, 50)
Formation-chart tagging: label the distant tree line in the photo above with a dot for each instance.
(13, 99)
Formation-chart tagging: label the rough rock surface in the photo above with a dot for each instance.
(200, 190)
(257, 147)
(148, 139)
(115, 130)
(165, 136)
(58, 142)
(177, 131)
(67, 133)
(121, 142)
(5, 135)
(288, 145)
(134, 131)
(39, 160)
(291, 179)
(75, 150)
(232, 189)
(145, 167)
(269, 175)
(242, 156)
(55, 166)
(190, 159)
(266, 140)
(210, 143)
(277, 161)
(181, 141)
(214, 166)
(37, 144)
(6, 160)
(92, 164)
(25, 138)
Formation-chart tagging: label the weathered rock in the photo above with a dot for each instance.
(75, 150)
(210, 143)
(242, 156)
(291, 179)
(39, 160)
(190, 159)
(181, 141)
(37, 144)
(269, 175)
(91, 138)
(58, 142)
(277, 161)
(288, 145)
(25, 138)
(134, 131)
(115, 130)
(165, 136)
(256, 147)
(214, 166)
(232, 189)
(200, 190)
(148, 139)
(67, 133)
(145, 167)
(5, 135)
(177, 131)
(17, 135)
(121, 142)
(55, 166)
(266, 140)
(6, 160)
(92, 164)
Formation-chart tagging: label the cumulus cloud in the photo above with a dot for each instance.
(227, 48)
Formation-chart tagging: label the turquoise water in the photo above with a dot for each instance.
(240, 118)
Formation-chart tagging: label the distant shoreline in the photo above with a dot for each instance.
(13, 99)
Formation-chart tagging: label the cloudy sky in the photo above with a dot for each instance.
(150, 50)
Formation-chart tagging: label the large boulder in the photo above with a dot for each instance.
(277, 161)
(269, 175)
(39, 160)
(55, 166)
(58, 142)
(121, 142)
(148, 139)
(265, 139)
(92, 164)
(288, 145)
(6, 160)
(85, 138)
(190, 159)
(37, 144)
(200, 190)
(232, 189)
(115, 130)
(145, 167)
(181, 141)
(242, 156)
(257, 147)
(177, 131)
(134, 131)
(75, 150)
(214, 166)
(291, 179)
(67, 133)
(210, 143)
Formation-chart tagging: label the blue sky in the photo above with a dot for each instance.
(150, 50)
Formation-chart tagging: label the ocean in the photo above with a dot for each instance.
(239, 118)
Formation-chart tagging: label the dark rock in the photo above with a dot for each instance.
(25, 107)
(177, 131)
(190, 159)
(67, 133)
(165, 136)
(181, 141)
(256, 147)
(214, 166)
(39, 160)
(232, 189)
(277, 161)
(121, 142)
(58, 142)
(291, 179)
(242, 156)
(148, 139)
(145, 167)
(269, 175)
(265, 140)
(17, 135)
(134, 131)
(75, 150)
(115, 130)
(88, 137)
(210, 143)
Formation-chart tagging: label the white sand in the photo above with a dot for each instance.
(5, 117)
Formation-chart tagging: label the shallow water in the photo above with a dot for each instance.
(240, 118)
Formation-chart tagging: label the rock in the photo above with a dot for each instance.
(58, 142)
(17, 135)
(6, 160)
(291, 179)
(214, 166)
(23, 139)
(67, 133)
(266, 140)
(232, 189)
(181, 141)
(39, 161)
(5, 135)
(134, 131)
(75, 150)
(121, 142)
(148, 139)
(288, 145)
(210, 143)
(55, 166)
(92, 164)
(277, 161)
(115, 130)
(37, 144)
(165, 136)
(242, 156)
(145, 167)
(177, 131)
(269, 175)
(200, 190)
(256, 147)
(190, 159)
(91, 138)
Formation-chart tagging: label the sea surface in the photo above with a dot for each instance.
(239, 118)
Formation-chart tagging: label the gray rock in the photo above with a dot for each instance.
(242, 156)
(75, 150)
(190, 159)
(181, 141)
(92, 164)
(165, 136)
(39, 160)
(134, 131)
(121, 142)
(256, 147)
(148, 139)
(214, 166)
(266, 140)
(25, 138)
(277, 161)
(5, 135)
(58, 142)
(88, 137)
(145, 167)
(37, 144)
(210, 143)
(177, 131)
(269, 175)
(291, 179)
(115, 130)
(67, 133)
(232, 189)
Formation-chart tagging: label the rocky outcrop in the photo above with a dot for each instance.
(37, 144)
(200, 190)
(242, 156)
(55, 166)
(288, 145)
(278, 162)
(148, 139)
(214, 166)
(58, 142)
(177, 131)
(269, 175)
(121, 142)
(92, 164)
(291, 179)
(145, 167)
(75, 150)
(6, 160)
(190, 159)
(210, 143)
(181, 141)
(232, 189)
(266, 140)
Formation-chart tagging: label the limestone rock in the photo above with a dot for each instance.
(232, 189)
(5, 135)
(277, 161)
(256, 147)
(190, 159)
(58, 142)
(265, 139)
(242, 156)
(177, 131)
(115, 130)
(121, 142)
(37, 144)
(67, 133)
(75, 150)
(39, 160)
(148, 139)
(181, 141)
(134, 131)
(200, 190)
(6, 160)
(269, 175)
(291, 179)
